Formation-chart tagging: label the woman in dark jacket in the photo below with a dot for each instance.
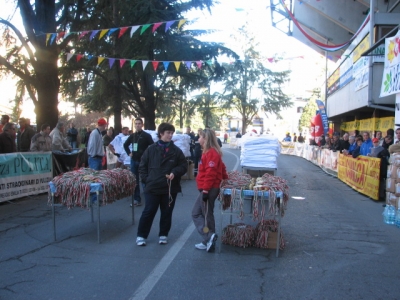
(161, 168)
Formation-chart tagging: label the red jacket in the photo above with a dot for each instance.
(212, 170)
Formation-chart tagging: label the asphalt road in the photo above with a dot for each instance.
(337, 247)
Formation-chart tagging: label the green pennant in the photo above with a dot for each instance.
(144, 27)
(133, 62)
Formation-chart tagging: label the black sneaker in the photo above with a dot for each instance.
(211, 242)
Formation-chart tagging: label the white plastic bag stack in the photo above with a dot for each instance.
(259, 152)
(182, 141)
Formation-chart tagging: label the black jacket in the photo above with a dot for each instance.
(154, 166)
(143, 139)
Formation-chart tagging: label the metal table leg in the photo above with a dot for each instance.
(278, 242)
(54, 216)
(98, 217)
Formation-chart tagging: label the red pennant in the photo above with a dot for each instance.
(60, 35)
(122, 62)
(156, 25)
(79, 57)
(122, 31)
(155, 65)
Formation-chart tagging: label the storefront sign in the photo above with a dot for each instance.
(391, 73)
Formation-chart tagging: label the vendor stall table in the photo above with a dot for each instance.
(249, 195)
(95, 188)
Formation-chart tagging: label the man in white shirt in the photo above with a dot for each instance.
(117, 148)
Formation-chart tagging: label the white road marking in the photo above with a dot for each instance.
(148, 284)
(237, 158)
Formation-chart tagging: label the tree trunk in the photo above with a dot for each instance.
(47, 85)
(150, 119)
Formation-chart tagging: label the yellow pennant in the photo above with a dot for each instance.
(102, 33)
(177, 65)
(100, 60)
(181, 22)
(48, 35)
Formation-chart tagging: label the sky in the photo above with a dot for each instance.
(225, 17)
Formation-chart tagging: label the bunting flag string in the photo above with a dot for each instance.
(326, 47)
(132, 62)
(52, 37)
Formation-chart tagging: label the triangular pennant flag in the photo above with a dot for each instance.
(181, 22)
(94, 32)
(60, 35)
(209, 62)
(79, 57)
(188, 64)
(122, 30)
(122, 62)
(102, 33)
(133, 29)
(199, 64)
(177, 65)
(156, 25)
(82, 34)
(155, 65)
(111, 62)
(99, 60)
(69, 55)
(144, 27)
(53, 37)
(168, 25)
(133, 62)
(144, 64)
(48, 35)
(166, 64)
(67, 34)
(111, 31)
(271, 60)
(89, 57)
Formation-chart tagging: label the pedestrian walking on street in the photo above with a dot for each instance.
(212, 171)
(95, 147)
(160, 169)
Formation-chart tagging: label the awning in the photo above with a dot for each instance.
(380, 42)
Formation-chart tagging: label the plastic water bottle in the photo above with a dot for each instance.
(386, 214)
(397, 220)
(391, 214)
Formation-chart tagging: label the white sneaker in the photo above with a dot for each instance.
(201, 246)
(140, 241)
(211, 242)
(163, 240)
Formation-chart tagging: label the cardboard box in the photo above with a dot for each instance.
(272, 239)
(391, 185)
(392, 172)
(190, 171)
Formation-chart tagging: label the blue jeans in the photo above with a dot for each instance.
(73, 144)
(95, 164)
(150, 210)
(135, 171)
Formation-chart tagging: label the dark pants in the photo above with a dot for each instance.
(135, 171)
(150, 210)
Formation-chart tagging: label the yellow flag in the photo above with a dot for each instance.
(181, 22)
(102, 33)
(48, 35)
(177, 65)
(99, 60)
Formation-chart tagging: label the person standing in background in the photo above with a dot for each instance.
(72, 135)
(197, 151)
(139, 140)
(42, 141)
(58, 140)
(24, 136)
(7, 139)
(95, 147)
(4, 120)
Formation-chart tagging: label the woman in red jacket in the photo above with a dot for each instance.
(212, 171)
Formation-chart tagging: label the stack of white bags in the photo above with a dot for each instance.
(259, 151)
(182, 141)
